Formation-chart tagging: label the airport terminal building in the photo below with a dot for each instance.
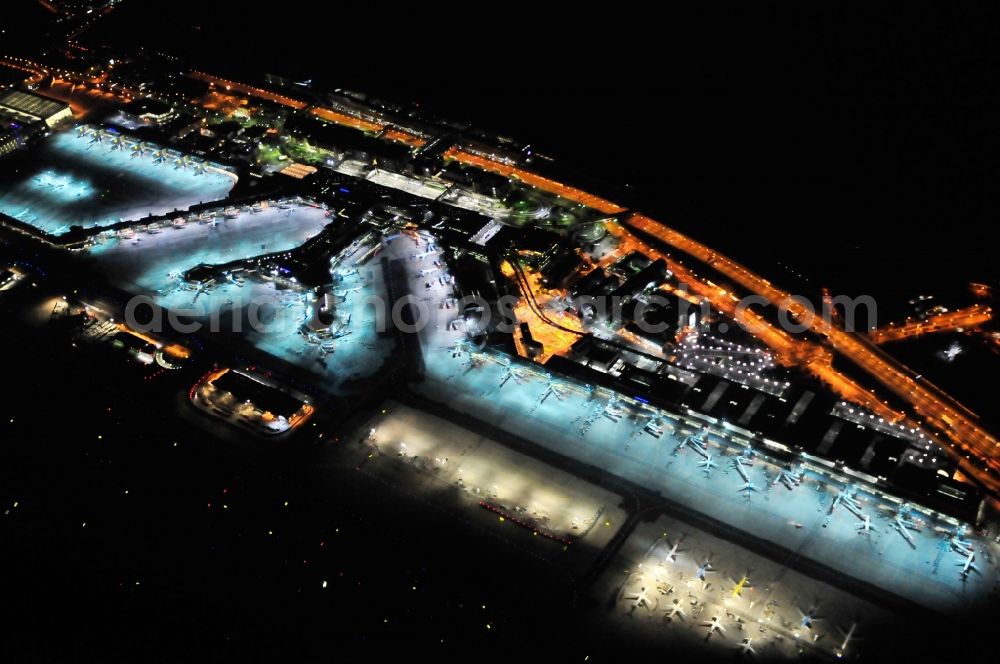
(30, 108)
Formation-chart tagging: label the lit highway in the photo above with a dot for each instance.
(534, 180)
(249, 90)
(789, 351)
(395, 134)
(938, 410)
(74, 88)
(36, 74)
(347, 120)
(404, 137)
(962, 319)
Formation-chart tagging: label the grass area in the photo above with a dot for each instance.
(291, 150)
(269, 154)
(246, 120)
(303, 152)
(531, 206)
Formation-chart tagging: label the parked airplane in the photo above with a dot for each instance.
(671, 555)
(846, 498)
(703, 569)
(968, 565)
(745, 647)
(707, 465)
(675, 611)
(960, 546)
(903, 525)
(809, 617)
(791, 478)
(642, 598)
(740, 465)
(848, 635)
(714, 626)
(695, 443)
(740, 586)
(865, 526)
(748, 488)
(653, 428)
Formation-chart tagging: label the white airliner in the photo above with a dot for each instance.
(848, 634)
(714, 626)
(903, 526)
(642, 598)
(695, 443)
(747, 489)
(968, 565)
(745, 647)
(738, 465)
(550, 391)
(960, 546)
(653, 428)
(846, 498)
(791, 478)
(865, 526)
(675, 611)
(707, 465)
(671, 556)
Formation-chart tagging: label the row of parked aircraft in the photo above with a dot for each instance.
(791, 478)
(808, 617)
